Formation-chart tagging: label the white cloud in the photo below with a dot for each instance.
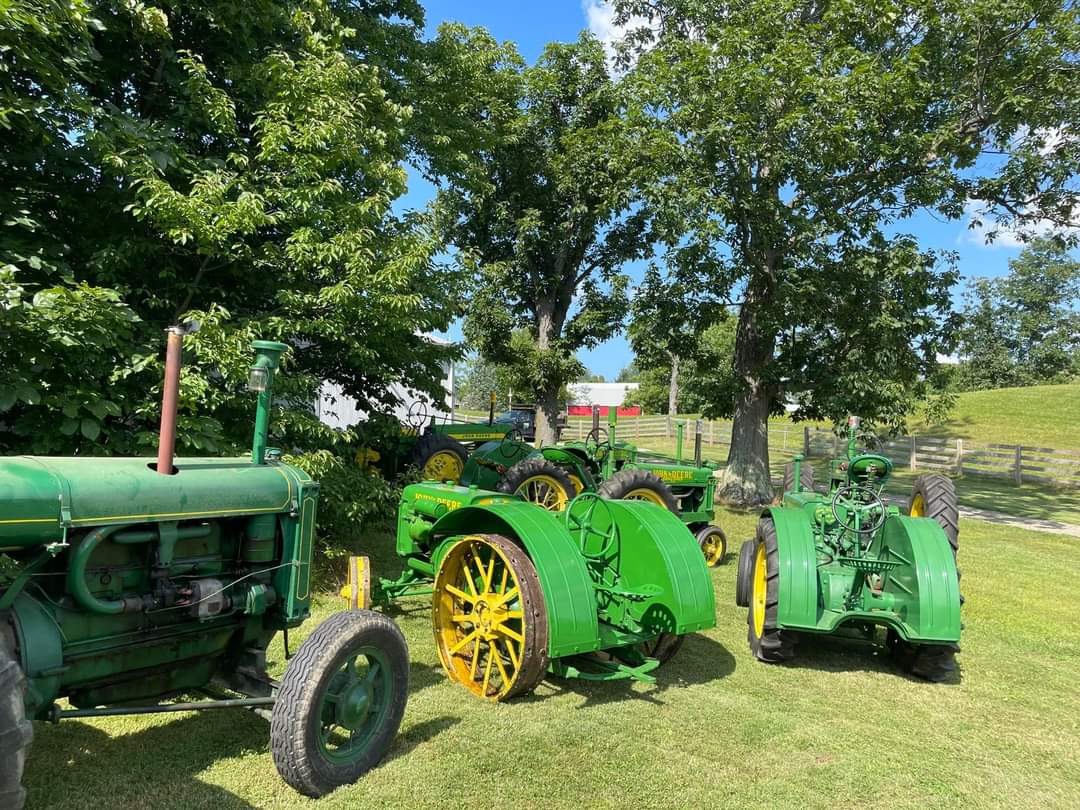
(980, 224)
(600, 19)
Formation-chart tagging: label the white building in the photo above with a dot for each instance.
(604, 394)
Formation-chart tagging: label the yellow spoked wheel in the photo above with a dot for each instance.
(545, 491)
(767, 641)
(644, 495)
(918, 506)
(489, 618)
(579, 485)
(713, 544)
(445, 465)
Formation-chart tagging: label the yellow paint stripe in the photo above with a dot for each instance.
(29, 520)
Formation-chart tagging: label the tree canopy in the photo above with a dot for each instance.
(800, 134)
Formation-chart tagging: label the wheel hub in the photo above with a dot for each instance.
(488, 618)
(354, 706)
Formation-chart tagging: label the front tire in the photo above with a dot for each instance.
(767, 641)
(934, 496)
(713, 544)
(663, 647)
(340, 703)
(439, 458)
(639, 485)
(744, 572)
(539, 481)
(806, 477)
(16, 731)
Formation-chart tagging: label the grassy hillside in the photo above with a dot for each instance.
(832, 730)
(1039, 416)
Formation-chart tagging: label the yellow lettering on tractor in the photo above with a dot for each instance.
(675, 475)
(449, 503)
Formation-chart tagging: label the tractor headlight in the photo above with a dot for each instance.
(258, 379)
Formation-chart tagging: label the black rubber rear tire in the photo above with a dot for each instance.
(16, 731)
(625, 482)
(521, 473)
(806, 474)
(710, 535)
(931, 662)
(295, 722)
(431, 443)
(939, 502)
(743, 573)
(773, 645)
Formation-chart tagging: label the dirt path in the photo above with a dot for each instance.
(1034, 524)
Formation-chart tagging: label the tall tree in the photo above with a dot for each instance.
(546, 236)
(1023, 329)
(234, 162)
(668, 314)
(801, 132)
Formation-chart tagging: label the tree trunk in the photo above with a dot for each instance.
(746, 481)
(547, 405)
(673, 391)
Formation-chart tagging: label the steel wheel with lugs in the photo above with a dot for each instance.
(489, 617)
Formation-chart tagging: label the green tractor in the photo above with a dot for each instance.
(845, 562)
(125, 582)
(552, 476)
(603, 590)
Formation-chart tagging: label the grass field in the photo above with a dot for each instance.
(839, 728)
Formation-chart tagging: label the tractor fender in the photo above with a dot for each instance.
(568, 591)
(930, 583)
(799, 605)
(658, 550)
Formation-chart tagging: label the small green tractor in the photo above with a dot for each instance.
(552, 476)
(845, 562)
(602, 590)
(125, 582)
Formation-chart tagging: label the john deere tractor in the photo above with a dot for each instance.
(125, 582)
(602, 590)
(552, 476)
(846, 562)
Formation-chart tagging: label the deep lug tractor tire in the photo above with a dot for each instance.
(767, 641)
(663, 647)
(639, 485)
(932, 662)
(16, 731)
(340, 703)
(489, 618)
(439, 458)
(713, 544)
(539, 481)
(744, 573)
(806, 475)
(934, 496)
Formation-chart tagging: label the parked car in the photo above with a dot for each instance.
(523, 417)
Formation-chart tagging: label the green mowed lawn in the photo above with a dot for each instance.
(837, 728)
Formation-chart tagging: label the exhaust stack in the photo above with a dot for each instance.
(170, 394)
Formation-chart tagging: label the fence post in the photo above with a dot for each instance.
(637, 427)
(712, 432)
(835, 450)
(667, 426)
(1018, 466)
(913, 462)
(580, 430)
(806, 441)
(959, 456)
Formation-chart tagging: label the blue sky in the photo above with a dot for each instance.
(531, 25)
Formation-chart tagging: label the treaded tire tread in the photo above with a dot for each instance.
(939, 497)
(295, 754)
(744, 572)
(931, 662)
(626, 481)
(431, 443)
(16, 730)
(806, 473)
(531, 468)
(775, 645)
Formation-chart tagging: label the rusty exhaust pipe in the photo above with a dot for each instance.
(169, 397)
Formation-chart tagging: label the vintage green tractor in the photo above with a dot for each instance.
(552, 476)
(602, 590)
(844, 562)
(128, 581)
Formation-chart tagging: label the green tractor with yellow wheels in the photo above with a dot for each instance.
(552, 476)
(602, 590)
(127, 582)
(844, 562)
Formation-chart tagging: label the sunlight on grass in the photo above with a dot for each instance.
(838, 728)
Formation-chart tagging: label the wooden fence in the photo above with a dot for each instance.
(1016, 463)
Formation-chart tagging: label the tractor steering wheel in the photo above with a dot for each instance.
(579, 518)
(855, 498)
(507, 444)
(597, 438)
(417, 415)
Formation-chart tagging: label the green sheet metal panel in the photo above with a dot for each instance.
(658, 549)
(932, 612)
(37, 495)
(568, 592)
(799, 604)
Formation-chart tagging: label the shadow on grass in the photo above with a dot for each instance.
(838, 654)
(700, 660)
(419, 734)
(77, 759)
